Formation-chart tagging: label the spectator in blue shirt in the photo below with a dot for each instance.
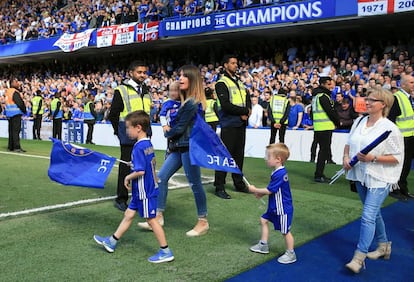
(296, 112)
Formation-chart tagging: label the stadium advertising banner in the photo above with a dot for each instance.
(73, 131)
(72, 42)
(278, 14)
(147, 32)
(260, 16)
(187, 25)
(382, 7)
(115, 35)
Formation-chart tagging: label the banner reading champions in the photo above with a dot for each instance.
(260, 16)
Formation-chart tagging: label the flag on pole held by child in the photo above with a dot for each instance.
(207, 150)
(77, 166)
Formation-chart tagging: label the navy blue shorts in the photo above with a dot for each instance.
(146, 208)
(281, 222)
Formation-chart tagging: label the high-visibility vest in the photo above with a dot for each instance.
(11, 108)
(35, 105)
(53, 108)
(66, 115)
(133, 101)
(87, 115)
(405, 121)
(321, 120)
(278, 105)
(237, 95)
(210, 115)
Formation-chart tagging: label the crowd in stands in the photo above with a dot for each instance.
(292, 72)
(32, 19)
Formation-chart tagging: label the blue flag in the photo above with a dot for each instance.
(77, 166)
(207, 150)
(370, 146)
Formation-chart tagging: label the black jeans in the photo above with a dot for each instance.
(89, 135)
(273, 131)
(37, 124)
(234, 138)
(324, 139)
(408, 157)
(123, 171)
(57, 128)
(15, 125)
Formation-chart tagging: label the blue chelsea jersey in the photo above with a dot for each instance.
(280, 201)
(143, 159)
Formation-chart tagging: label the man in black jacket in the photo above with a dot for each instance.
(132, 95)
(234, 111)
(14, 109)
(325, 120)
(402, 114)
(38, 109)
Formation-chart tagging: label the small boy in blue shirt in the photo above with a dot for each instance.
(280, 206)
(143, 182)
(169, 108)
(169, 111)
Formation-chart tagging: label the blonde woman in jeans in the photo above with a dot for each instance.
(376, 173)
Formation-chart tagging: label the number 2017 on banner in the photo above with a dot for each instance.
(371, 8)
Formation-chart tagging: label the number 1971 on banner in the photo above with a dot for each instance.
(372, 8)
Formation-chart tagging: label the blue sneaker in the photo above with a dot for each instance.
(161, 256)
(106, 242)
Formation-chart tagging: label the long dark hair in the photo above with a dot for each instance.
(195, 89)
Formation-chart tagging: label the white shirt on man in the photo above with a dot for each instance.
(255, 119)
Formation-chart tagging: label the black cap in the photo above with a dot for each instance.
(324, 79)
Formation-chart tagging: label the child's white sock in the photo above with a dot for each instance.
(113, 240)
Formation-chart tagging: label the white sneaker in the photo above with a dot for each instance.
(287, 257)
(146, 226)
(260, 248)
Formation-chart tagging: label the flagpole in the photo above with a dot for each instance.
(248, 184)
(337, 175)
(124, 162)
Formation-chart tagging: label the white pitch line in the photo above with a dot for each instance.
(55, 207)
(175, 185)
(25, 155)
(32, 156)
(76, 203)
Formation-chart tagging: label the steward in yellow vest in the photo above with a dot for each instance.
(132, 95)
(278, 113)
(38, 110)
(211, 114)
(89, 117)
(325, 119)
(405, 120)
(234, 110)
(323, 112)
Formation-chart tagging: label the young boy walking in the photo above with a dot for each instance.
(142, 181)
(280, 207)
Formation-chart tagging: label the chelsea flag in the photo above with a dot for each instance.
(207, 150)
(77, 166)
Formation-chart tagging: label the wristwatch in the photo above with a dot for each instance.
(374, 160)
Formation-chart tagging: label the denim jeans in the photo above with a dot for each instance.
(372, 224)
(173, 163)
